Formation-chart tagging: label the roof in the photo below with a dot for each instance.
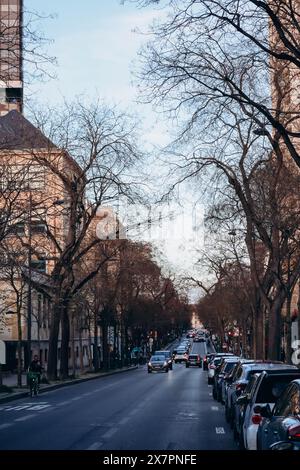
(17, 133)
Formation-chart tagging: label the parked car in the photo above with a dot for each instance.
(194, 360)
(240, 381)
(225, 367)
(158, 363)
(268, 388)
(213, 363)
(167, 355)
(280, 429)
(206, 360)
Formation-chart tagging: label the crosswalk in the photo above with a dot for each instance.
(26, 406)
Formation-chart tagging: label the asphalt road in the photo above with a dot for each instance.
(130, 411)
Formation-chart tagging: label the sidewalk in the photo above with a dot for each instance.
(23, 392)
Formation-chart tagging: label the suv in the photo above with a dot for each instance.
(167, 355)
(194, 360)
(180, 356)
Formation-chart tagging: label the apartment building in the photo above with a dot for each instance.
(11, 56)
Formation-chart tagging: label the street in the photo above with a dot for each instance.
(130, 411)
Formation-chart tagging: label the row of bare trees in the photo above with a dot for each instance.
(50, 212)
(229, 72)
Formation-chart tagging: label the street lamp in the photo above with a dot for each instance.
(29, 299)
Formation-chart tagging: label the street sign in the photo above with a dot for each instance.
(2, 352)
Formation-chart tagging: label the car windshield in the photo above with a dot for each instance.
(161, 353)
(157, 358)
(272, 387)
(193, 356)
(180, 351)
(228, 366)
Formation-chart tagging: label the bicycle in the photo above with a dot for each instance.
(33, 378)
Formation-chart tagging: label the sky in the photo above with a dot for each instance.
(96, 43)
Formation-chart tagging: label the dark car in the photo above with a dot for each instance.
(223, 370)
(194, 360)
(167, 355)
(158, 363)
(280, 429)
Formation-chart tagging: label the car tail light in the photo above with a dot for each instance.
(240, 386)
(256, 419)
(294, 431)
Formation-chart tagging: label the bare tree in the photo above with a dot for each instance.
(102, 144)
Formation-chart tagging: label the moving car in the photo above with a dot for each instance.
(193, 360)
(168, 357)
(158, 363)
(180, 356)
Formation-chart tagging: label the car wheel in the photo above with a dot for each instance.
(167, 370)
(214, 394)
(149, 371)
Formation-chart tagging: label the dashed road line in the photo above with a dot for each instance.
(110, 433)
(25, 418)
(95, 446)
(5, 425)
(124, 420)
(214, 408)
(64, 403)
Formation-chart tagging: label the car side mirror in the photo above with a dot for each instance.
(242, 400)
(264, 411)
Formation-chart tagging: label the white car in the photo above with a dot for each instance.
(268, 387)
(181, 356)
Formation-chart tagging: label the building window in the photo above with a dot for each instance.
(38, 226)
(46, 355)
(58, 353)
(39, 265)
(77, 351)
(19, 229)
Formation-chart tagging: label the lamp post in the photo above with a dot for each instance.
(29, 298)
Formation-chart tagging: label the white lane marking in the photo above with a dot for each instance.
(210, 394)
(64, 403)
(95, 446)
(18, 408)
(25, 418)
(220, 431)
(110, 433)
(124, 420)
(76, 398)
(5, 425)
(38, 407)
(133, 412)
(215, 408)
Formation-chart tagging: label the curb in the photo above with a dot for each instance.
(48, 388)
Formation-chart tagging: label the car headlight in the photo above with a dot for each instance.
(149, 364)
(165, 363)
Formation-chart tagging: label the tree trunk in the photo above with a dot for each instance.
(53, 340)
(105, 346)
(288, 350)
(274, 330)
(65, 339)
(80, 350)
(96, 361)
(19, 347)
